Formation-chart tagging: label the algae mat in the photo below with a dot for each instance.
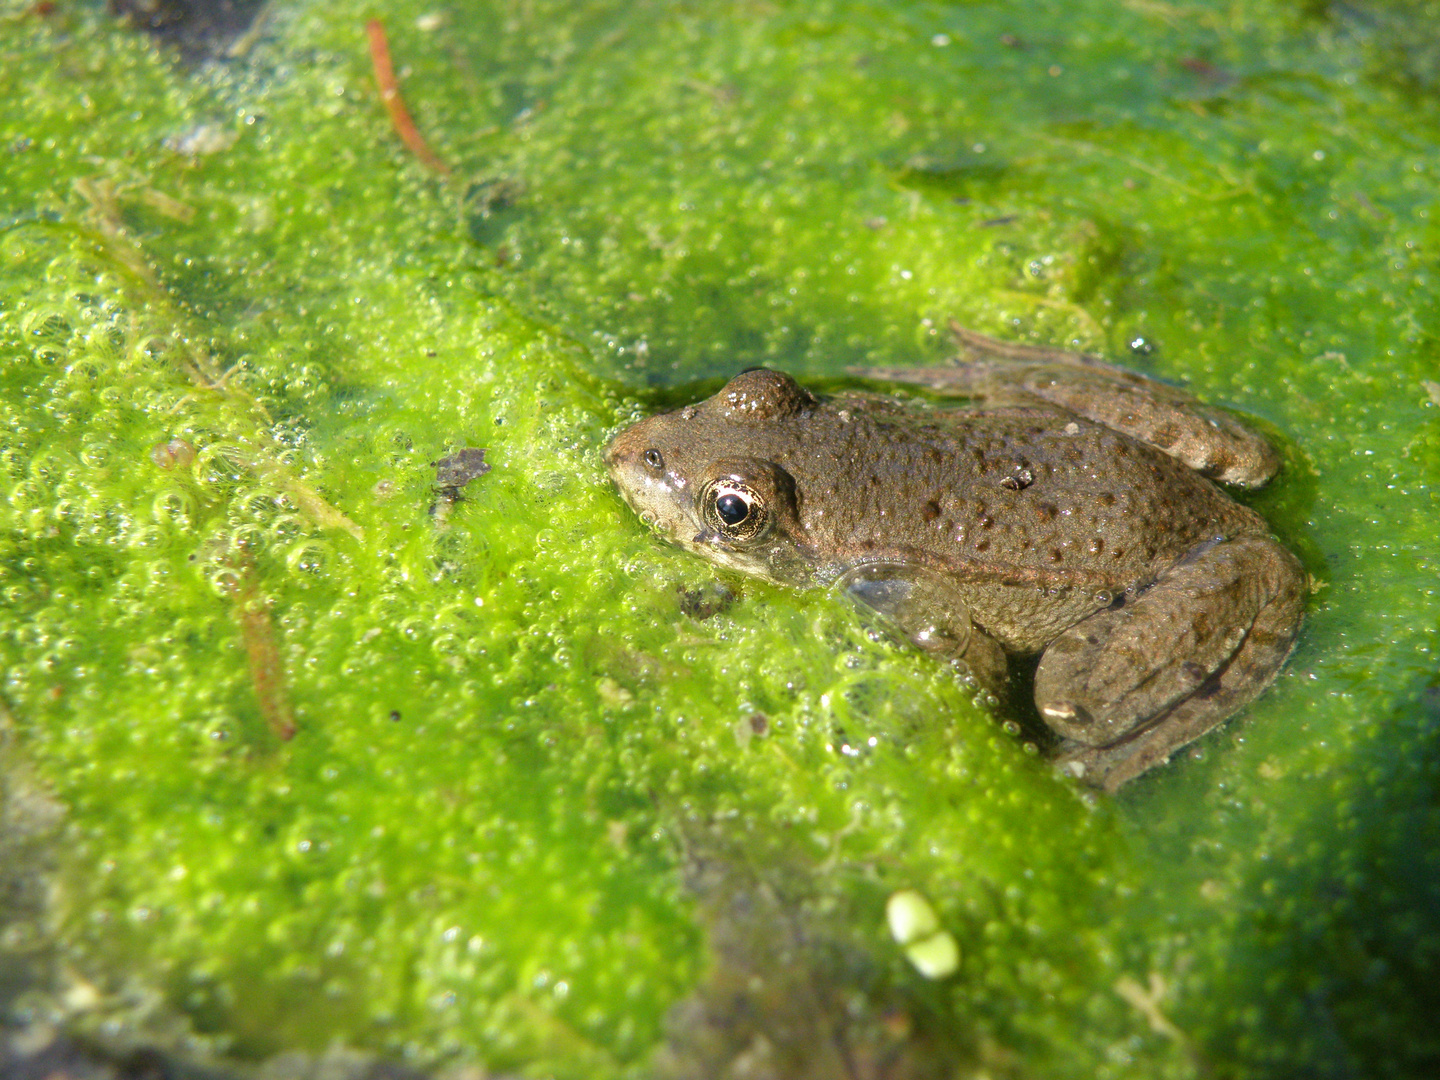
(320, 754)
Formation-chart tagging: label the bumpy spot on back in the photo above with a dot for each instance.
(759, 395)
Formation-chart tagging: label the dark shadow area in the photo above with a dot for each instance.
(200, 29)
(796, 990)
(1350, 960)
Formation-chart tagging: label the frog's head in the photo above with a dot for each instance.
(701, 478)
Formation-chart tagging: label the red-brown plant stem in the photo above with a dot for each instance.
(394, 103)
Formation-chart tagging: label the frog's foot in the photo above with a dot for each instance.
(926, 609)
(1210, 441)
(1130, 685)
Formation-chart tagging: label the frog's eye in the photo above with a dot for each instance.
(654, 459)
(734, 509)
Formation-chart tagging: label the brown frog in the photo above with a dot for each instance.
(1074, 517)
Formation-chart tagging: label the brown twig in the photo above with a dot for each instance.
(262, 651)
(394, 103)
(267, 672)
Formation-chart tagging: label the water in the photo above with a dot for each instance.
(533, 813)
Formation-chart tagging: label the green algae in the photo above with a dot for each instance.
(531, 808)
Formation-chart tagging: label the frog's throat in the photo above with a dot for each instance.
(780, 563)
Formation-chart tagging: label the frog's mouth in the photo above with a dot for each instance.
(718, 549)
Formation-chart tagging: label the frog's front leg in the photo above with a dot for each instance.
(928, 611)
(1131, 684)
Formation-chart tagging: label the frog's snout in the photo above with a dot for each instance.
(620, 454)
(622, 457)
(627, 458)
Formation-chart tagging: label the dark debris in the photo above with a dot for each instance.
(37, 1051)
(703, 601)
(454, 471)
(200, 29)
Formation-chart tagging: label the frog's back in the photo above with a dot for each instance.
(1018, 507)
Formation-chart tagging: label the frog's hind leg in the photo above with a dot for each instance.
(1210, 441)
(1128, 686)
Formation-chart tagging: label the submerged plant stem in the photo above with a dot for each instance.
(108, 242)
(394, 103)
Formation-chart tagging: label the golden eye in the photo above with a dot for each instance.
(734, 510)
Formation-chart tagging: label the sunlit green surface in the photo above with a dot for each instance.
(527, 812)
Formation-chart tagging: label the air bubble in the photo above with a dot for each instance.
(249, 538)
(87, 370)
(29, 495)
(225, 580)
(175, 508)
(150, 538)
(287, 527)
(214, 467)
(12, 460)
(255, 505)
(309, 557)
(388, 608)
(145, 352)
(46, 320)
(95, 455)
(52, 467)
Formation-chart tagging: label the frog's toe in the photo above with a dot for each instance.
(1127, 686)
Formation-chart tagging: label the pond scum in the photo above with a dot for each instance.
(305, 753)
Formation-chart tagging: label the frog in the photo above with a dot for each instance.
(1029, 505)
